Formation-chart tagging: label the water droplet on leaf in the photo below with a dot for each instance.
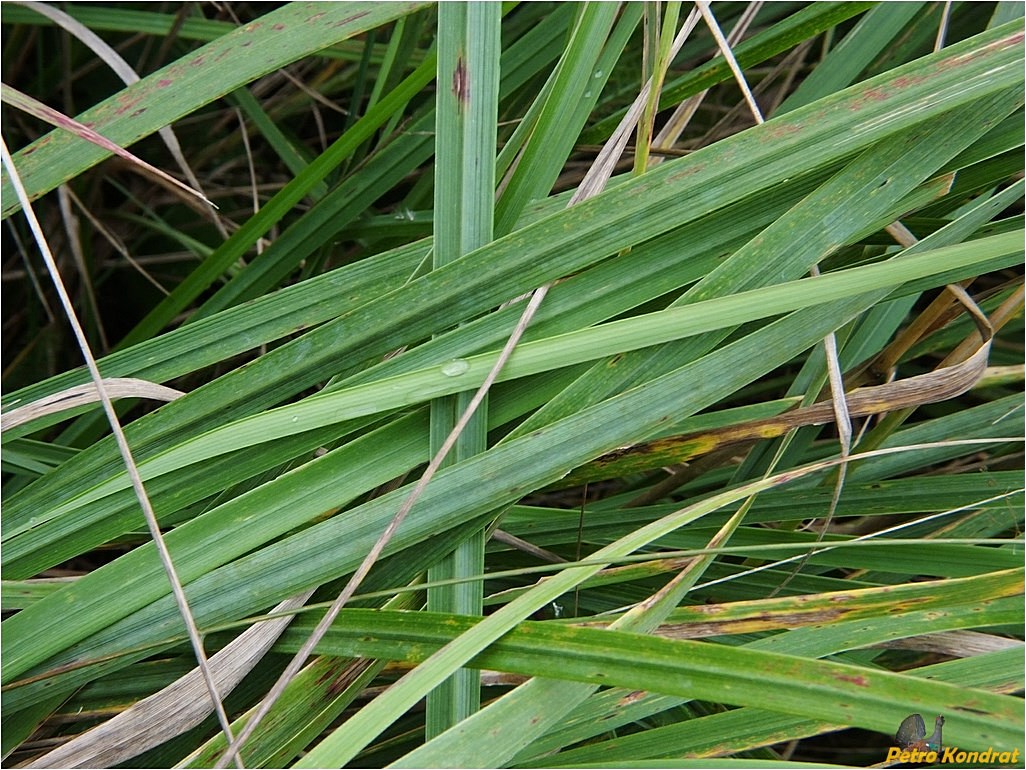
(455, 368)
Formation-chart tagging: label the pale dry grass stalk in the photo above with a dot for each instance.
(122, 442)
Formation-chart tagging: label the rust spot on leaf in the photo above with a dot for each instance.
(907, 80)
(871, 95)
(126, 103)
(164, 83)
(278, 27)
(778, 132)
(686, 172)
(998, 45)
(859, 680)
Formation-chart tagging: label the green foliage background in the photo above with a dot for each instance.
(388, 177)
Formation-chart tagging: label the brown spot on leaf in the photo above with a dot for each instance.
(341, 22)
(461, 83)
(339, 684)
(630, 698)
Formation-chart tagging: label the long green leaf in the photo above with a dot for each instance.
(292, 31)
(499, 271)
(777, 682)
(558, 352)
(465, 137)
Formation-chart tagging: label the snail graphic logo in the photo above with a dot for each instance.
(914, 747)
(912, 734)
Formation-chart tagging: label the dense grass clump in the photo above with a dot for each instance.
(639, 383)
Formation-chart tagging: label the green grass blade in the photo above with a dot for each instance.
(465, 131)
(498, 271)
(176, 90)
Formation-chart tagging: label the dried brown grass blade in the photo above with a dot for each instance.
(957, 644)
(938, 385)
(80, 395)
(124, 70)
(678, 121)
(180, 706)
(37, 109)
(592, 185)
(119, 436)
(789, 612)
(728, 54)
